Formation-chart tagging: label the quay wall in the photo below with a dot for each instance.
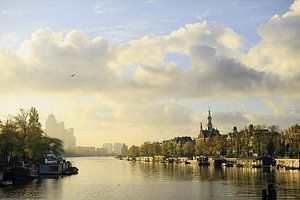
(292, 163)
(284, 162)
(246, 162)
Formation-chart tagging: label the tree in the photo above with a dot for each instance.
(164, 148)
(292, 140)
(22, 138)
(156, 148)
(8, 140)
(133, 151)
(179, 150)
(188, 149)
(144, 149)
(199, 150)
(220, 145)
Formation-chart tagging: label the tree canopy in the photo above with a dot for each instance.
(22, 138)
(250, 141)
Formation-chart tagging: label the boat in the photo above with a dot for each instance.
(228, 164)
(52, 165)
(178, 161)
(187, 162)
(6, 183)
(120, 157)
(217, 162)
(170, 160)
(263, 162)
(239, 165)
(25, 171)
(203, 161)
(71, 171)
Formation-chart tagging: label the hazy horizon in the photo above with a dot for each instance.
(149, 70)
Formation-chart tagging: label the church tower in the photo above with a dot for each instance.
(201, 131)
(209, 121)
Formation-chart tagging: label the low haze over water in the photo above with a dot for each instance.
(108, 178)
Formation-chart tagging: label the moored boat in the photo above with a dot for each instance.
(239, 165)
(25, 171)
(203, 161)
(187, 162)
(56, 166)
(170, 160)
(263, 162)
(228, 164)
(71, 171)
(6, 183)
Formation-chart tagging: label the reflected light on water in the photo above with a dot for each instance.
(107, 178)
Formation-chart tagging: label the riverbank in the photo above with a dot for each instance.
(279, 163)
(111, 179)
(52, 166)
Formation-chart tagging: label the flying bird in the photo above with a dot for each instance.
(72, 75)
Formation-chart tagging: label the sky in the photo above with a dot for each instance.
(150, 70)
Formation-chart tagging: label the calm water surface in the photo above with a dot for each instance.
(107, 178)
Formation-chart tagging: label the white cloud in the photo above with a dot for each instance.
(135, 84)
(150, 2)
(279, 48)
(103, 8)
(203, 15)
(14, 12)
(225, 121)
(215, 53)
(11, 40)
(45, 62)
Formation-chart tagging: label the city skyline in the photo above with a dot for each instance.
(149, 70)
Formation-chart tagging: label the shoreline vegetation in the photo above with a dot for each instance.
(23, 140)
(24, 148)
(250, 142)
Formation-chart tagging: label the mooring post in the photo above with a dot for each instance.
(264, 194)
(271, 192)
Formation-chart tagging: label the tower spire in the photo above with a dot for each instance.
(209, 121)
(200, 131)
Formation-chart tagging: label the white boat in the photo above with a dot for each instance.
(6, 183)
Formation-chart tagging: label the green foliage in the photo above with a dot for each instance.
(188, 149)
(179, 150)
(22, 138)
(168, 148)
(253, 140)
(133, 151)
(150, 149)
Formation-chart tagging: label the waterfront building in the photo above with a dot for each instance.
(210, 131)
(118, 148)
(124, 150)
(87, 151)
(57, 129)
(101, 152)
(108, 147)
(182, 140)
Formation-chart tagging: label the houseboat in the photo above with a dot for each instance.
(53, 165)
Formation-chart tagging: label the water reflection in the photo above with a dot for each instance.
(107, 178)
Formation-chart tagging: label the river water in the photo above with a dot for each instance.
(108, 178)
